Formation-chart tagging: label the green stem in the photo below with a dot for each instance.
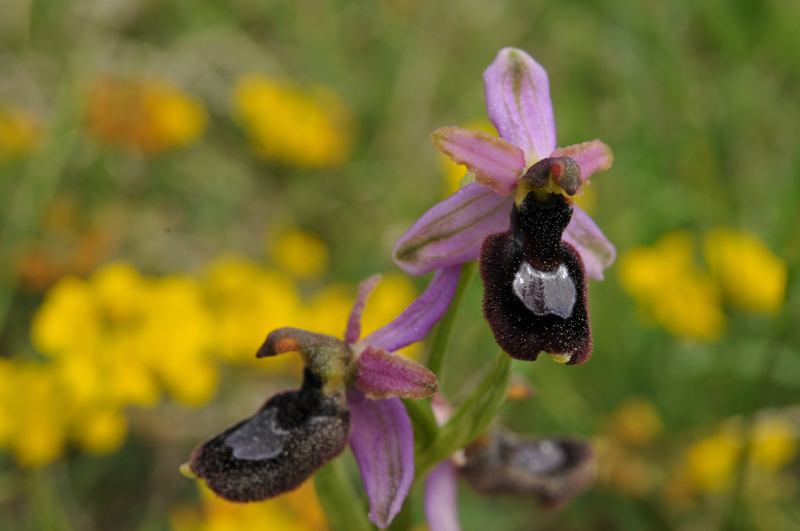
(42, 174)
(342, 506)
(471, 418)
(444, 330)
(422, 420)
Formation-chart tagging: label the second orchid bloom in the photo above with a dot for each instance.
(350, 393)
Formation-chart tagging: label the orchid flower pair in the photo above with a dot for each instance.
(536, 250)
(350, 392)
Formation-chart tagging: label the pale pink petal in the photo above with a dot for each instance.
(494, 161)
(382, 441)
(518, 103)
(592, 156)
(419, 318)
(353, 332)
(596, 251)
(441, 498)
(380, 374)
(452, 231)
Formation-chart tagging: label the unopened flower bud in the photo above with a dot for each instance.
(552, 470)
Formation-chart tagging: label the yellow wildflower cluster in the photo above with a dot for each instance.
(687, 300)
(19, 132)
(152, 115)
(298, 510)
(120, 339)
(38, 413)
(710, 463)
(301, 127)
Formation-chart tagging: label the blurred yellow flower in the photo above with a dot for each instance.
(775, 442)
(100, 430)
(300, 254)
(711, 462)
(119, 335)
(328, 310)
(153, 115)
(247, 302)
(301, 127)
(19, 133)
(454, 173)
(636, 422)
(298, 510)
(671, 289)
(751, 276)
(114, 340)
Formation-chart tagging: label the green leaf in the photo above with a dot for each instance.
(342, 506)
(472, 417)
(422, 420)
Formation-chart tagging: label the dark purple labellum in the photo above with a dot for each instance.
(552, 470)
(277, 449)
(534, 294)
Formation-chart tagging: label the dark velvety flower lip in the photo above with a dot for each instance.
(551, 470)
(277, 449)
(535, 295)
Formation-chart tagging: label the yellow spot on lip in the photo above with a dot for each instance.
(560, 358)
(187, 471)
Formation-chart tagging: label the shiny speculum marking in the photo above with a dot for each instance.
(258, 438)
(545, 293)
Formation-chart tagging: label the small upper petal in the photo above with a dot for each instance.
(441, 498)
(495, 162)
(353, 332)
(382, 441)
(518, 103)
(452, 231)
(592, 156)
(596, 251)
(418, 319)
(380, 374)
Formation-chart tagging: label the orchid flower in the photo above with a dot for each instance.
(547, 281)
(350, 392)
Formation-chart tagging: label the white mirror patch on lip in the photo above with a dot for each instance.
(258, 438)
(544, 293)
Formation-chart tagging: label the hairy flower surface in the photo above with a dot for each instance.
(350, 391)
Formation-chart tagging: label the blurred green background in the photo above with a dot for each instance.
(179, 178)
